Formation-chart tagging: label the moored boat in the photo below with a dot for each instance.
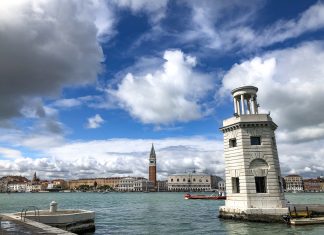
(206, 197)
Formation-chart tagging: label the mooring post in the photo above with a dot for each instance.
(308, 215)
(289, 211)
(295, 211)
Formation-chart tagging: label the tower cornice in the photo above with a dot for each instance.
(254, 120)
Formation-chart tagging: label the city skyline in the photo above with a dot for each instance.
(88, 86)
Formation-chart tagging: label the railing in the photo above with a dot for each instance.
(300, 213)
(29, 208)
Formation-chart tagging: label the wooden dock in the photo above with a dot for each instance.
(306, 214)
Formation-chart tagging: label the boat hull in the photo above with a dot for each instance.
(204, 197)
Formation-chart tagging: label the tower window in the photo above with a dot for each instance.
(232, 143)
(260, 184)
(235, 184)
(255, 140)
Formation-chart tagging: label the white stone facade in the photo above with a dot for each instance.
(17, 187)
(132, 184)
(294, 183)
(189, 182)
(252, 171)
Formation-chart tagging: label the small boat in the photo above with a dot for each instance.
(206, 197)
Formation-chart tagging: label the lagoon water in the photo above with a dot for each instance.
(157, 213)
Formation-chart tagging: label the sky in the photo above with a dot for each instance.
(86, 87)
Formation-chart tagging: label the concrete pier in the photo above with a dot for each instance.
(12, 224)
(76, 221)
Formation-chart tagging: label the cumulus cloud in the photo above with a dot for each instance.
(120, 157)
(290, 85)
(95, 122)
(169, 94)
(123, 157)
(57, 50)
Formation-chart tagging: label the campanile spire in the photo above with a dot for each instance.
(152, 166)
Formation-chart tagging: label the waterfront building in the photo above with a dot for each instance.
(34, 187)
(135, 184)
(152, 166)
(252, 171)
(294, 183)
(59, 184)
(162, 185)
(221, 186)
(110, 181)
(18, 187)
(143, 185)
(313, 185)
(185, 182)
(13, 183)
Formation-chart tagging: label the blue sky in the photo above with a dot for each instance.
(86, 87)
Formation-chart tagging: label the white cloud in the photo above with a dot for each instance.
(95, 122)
(10, 153)
(154, 9)
(67, 103)
(122, 157)
(290, 83)
(211, 28)
(310, 20)
(171, 94)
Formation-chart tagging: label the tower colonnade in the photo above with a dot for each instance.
(245, 101)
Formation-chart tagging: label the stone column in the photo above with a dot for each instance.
(252, 105)
(242, 104)
(248, 105)
(235, 103)
(238, 107)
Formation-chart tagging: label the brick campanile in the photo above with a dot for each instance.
(152, 166)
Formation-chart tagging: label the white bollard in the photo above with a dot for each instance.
(53, 207)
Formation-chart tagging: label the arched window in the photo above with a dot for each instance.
(260, 169)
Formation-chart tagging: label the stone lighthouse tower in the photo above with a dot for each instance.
(252, 170)
(152, 166)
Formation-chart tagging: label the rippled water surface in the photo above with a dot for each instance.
(157, 213)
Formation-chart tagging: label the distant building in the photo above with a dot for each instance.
(13, 183)
(152, 166)
(183, 182)
(162, 185)
(135, 184)
(59, 184)
(221, 186)
(18, 187)
(313, 185)
(294, 183)
(110, 181)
